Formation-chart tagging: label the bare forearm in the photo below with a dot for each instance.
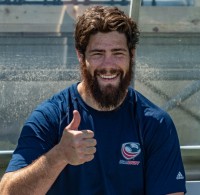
(36, 178)
(75, 148)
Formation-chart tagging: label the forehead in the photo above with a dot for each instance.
(107, 40)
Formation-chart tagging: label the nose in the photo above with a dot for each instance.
(108, 62)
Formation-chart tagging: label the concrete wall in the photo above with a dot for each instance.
(57, 19)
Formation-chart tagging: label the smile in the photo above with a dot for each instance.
(108, 76)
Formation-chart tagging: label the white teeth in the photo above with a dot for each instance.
(108, 76)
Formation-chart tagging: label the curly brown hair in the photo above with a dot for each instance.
(104, 19)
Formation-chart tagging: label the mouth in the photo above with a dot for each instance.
(109, 77)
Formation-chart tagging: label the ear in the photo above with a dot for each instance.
(80, 56)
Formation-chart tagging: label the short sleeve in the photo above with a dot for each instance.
(164, 171)
(38, 135)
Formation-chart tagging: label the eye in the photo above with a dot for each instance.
(96, 53)
(119, 53)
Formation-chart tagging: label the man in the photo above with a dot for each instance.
(99, 136)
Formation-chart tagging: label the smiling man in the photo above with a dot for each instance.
(98, 136)
(107, 70)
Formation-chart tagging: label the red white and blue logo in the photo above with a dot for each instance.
(130, 151)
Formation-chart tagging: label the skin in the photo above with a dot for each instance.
(75, 148)
(107, 50)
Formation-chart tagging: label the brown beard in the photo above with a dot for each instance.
(110, 96)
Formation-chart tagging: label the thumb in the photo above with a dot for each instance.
(75, 121)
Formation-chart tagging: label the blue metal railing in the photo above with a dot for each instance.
(61, 2)
(92, 2)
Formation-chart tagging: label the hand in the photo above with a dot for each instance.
(77, 147)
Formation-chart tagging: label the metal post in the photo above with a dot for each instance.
(134, 10)
(134, 14)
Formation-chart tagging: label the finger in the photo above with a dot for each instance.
(90, 150)
(87, 134)
(89, 157)
(75, 121)
(90, 142)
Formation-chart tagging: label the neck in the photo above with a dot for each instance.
(90, 101)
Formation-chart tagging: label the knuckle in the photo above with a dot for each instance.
(76, 144)
(90, 157)
(82, 158)
(94, 142)
(94, 149)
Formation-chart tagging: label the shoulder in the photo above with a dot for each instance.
(59, 101)
(144, 105)
(53, 109)
(147, 112)
(155, 124)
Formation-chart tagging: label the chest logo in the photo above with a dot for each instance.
(130, 151)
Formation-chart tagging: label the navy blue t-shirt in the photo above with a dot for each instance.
(138, 151)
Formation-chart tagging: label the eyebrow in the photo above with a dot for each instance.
(96, 50)
(119, 49)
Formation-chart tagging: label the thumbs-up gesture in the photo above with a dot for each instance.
(77, 147)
